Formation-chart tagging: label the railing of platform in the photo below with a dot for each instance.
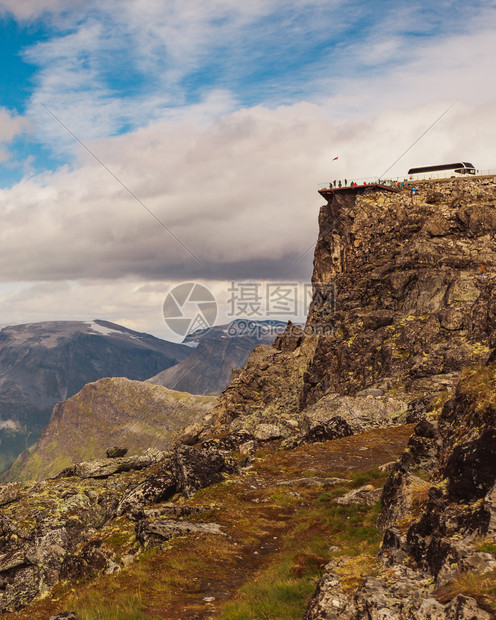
(398, 180)
(359, 182)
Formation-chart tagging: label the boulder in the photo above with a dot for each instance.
(103, 468)
(9, 492)
(156, 487)
(266, 432)
(155, 533)
(364, 495)
(189, 435)
(195, 469)
(115, 451)
(334, 428)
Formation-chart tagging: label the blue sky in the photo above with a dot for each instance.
(248, 101)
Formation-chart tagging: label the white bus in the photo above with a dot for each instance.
(441, 171)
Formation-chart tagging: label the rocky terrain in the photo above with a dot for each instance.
(347, 471)
(438, 553)
(181, 534)
(43, 363)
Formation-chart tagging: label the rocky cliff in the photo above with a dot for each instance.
(43, 363)
(438, 553)
(404, 298)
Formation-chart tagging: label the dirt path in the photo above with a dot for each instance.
(358, 453)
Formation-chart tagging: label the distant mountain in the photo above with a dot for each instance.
(218, 351)
(262, 331)
(43, 363)
(133, 414)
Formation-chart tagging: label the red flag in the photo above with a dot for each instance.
(334, 159)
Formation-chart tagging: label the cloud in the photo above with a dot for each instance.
(11, 126)
(240, 193)
(30, 9)
(222, 118)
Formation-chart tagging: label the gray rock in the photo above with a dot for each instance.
(169, 510)
(9, 492)
(156, 487)
(334, 428)
(115, 451)
(314, 481)
(66, 615)
(189, 435)
(248, 448)
(266, 432)
(12, 560)
(155, 533)
(195, 469)
(387, 467)
(465, 608)
(364, 495)
(103, 468)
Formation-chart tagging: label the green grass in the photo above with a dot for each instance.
(360, 479)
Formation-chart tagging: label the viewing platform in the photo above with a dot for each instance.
(327, 190)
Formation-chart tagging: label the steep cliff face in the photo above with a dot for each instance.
(415, 288)
(136, 414)
(413, 284)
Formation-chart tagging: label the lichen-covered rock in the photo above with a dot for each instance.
(55, 529)
(103, 468)
(115, 451)
(155, 533)
(195, 469)
(156, 487)
(266, 432)
(189, 435)
(438, 501)
(9, 492)
(327, 430)
(367, 495)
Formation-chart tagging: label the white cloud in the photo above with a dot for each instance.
(239, 193)
(30, 9)
(11, 125)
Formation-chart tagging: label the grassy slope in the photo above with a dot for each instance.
(103, 412)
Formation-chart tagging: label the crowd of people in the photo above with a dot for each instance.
(335, 183)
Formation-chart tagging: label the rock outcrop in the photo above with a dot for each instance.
(404, 298)
(54, 529)
(439, 514)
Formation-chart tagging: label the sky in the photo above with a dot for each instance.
(146, 143)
